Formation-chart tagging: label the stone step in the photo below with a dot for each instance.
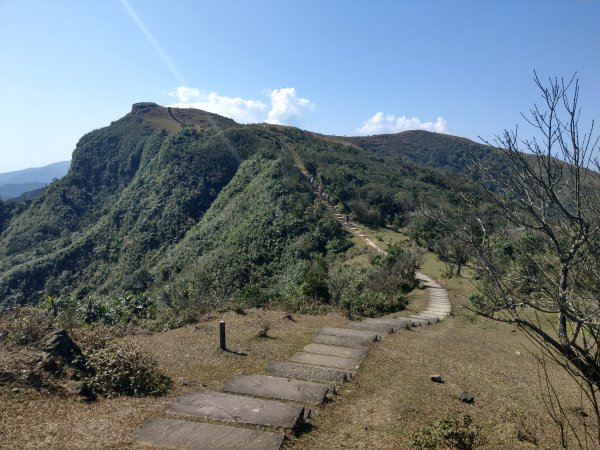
(344, 341)
(396, 324)
(349, 332)
(336, 350)
(429, 317)
(419, 320)
(437, 310)
(183, 434)
(380, 328)
(306, 372)
(278, 387)
(237, 408)
(326, 360)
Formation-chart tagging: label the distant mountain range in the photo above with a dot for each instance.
(13, 184)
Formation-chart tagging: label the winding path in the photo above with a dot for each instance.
(280, 399)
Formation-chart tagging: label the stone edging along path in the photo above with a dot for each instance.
(280, 398)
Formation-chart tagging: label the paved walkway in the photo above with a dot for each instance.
(280, 399)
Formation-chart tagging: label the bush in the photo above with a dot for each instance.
(371, 304)
(25, 326)
(448, 433)
(378, 290)
(120, 371)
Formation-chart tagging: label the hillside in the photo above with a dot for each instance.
(180, 201)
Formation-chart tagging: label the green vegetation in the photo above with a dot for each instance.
(449, 433)
(198, 212)
(117, 370)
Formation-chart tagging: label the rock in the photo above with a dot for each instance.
(80, 389)
(6, 376)
(437, 378)
(15, 390)
(466, 397)
(59, 344)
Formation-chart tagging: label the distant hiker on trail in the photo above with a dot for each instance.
(347, 218)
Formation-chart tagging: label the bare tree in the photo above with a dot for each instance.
(539, 264)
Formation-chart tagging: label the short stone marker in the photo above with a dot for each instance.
(354, 342)
(277, 387)
(205, 436)
(349, 332)
(306, 372)
(336, 350)
(326, 360)
(236, 408)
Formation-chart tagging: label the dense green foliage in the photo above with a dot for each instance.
(116, 370)
(199, 210)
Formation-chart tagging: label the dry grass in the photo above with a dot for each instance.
(190, 355)
(390, 398)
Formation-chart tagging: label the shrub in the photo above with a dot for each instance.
(120, 371)
(448, 433)
(25, 326)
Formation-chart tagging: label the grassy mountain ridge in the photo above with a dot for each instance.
(180, 200)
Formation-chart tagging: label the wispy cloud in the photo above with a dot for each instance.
(286, 108)
(381, 123)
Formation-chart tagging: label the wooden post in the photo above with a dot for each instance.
(222, 335)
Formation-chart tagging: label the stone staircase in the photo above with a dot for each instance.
(280, 399)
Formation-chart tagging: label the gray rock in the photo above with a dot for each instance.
(79, 389)
(59, 344)
(466, 397)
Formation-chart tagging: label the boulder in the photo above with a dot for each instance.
(437, 378)
(466, 397)
(59, 344)
(79, 389)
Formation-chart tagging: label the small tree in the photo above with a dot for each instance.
(539, 258)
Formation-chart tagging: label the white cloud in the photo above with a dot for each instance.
(239, 109)
(286, 107)
(381, 123)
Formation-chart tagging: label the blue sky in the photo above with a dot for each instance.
(337, 67)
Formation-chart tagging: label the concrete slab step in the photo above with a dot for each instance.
(419, 320)
(336, 350)
(349, 332)
(379, 328)
(396, 324)
(326, 361)
(183, 434)
(344, 341)
(306, 372)
(429, 317)
(237, 408)
(278, 387)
